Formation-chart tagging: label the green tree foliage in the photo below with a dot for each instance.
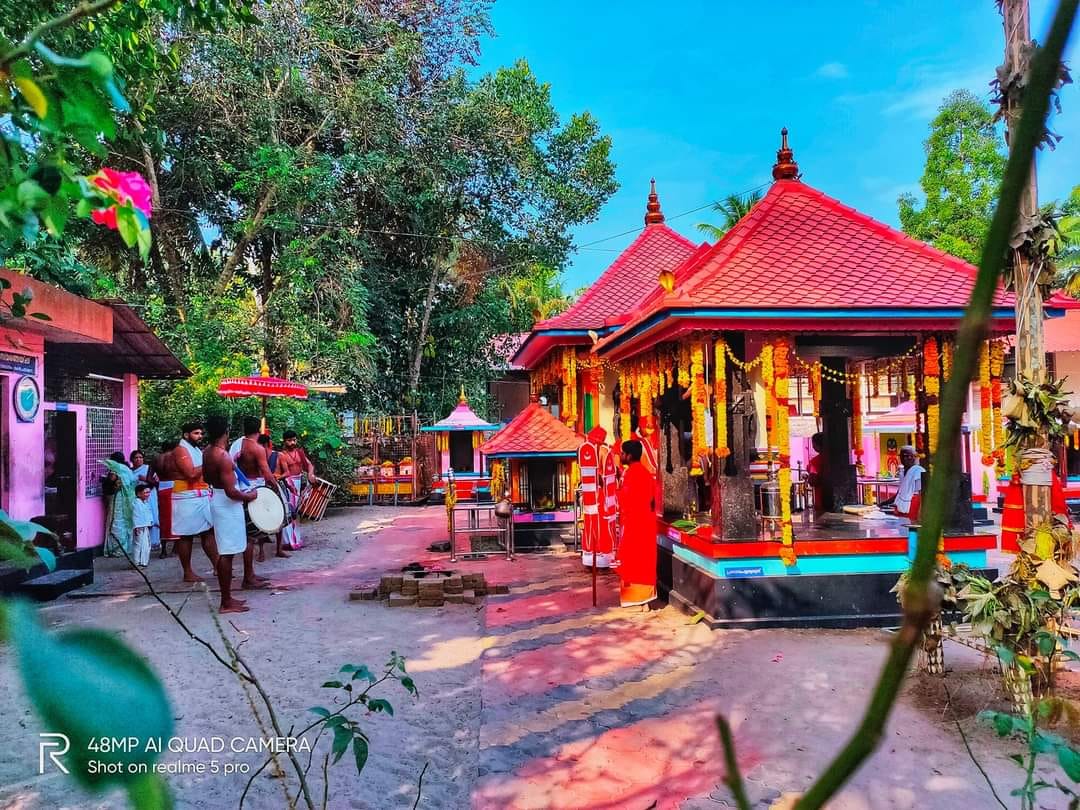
(333, 193)
(965, 159)
(732, 208)
(1068, 253)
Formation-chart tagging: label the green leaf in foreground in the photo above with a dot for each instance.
(150, 791)
(88, 685)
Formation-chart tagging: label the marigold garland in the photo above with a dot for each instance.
(857, 421)
(770, 397)
(932, 388)
(684, 366)
(624, 406)
(986, 406)
(948, 350)
(498, 480)
(997, 368)
(776, 364)
(720, 406)
(697, 406)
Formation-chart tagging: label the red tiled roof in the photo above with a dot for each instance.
(800, 248)
(1063, 334)
(627, 280)
(534, 430)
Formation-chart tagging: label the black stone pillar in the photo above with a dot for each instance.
(840, 485)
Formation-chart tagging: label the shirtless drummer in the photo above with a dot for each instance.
(191, 516)
(253, 461)
(227, 505)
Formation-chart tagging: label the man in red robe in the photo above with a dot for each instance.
(637, 548)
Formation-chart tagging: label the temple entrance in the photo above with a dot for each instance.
(839, 485)
(61, 477)
(461, 452)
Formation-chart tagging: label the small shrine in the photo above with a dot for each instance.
(457, 454)
(533, 461)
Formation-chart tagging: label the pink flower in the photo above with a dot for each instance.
(121, 187)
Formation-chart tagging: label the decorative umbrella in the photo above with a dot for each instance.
(263, 386)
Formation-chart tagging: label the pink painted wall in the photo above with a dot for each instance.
(23, 469)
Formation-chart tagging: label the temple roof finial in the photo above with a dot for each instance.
(653, 214)
(785, 167)
(462, 399)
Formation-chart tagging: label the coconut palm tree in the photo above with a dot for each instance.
(733, 208)
(1068, 257)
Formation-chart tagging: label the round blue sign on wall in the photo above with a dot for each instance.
(27, 398)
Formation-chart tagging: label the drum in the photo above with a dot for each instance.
(283, 492)
(267, 512)
(315, 498)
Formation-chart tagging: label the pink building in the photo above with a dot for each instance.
(69, 391)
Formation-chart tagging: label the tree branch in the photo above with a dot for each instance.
(87, 9)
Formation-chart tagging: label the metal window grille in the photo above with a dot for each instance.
(83, 391)
(104, 436)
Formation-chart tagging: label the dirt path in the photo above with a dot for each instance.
(535, 700)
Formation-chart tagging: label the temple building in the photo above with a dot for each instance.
(806, 319)
(557, 351)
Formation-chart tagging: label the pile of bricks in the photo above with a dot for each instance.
(429, 589)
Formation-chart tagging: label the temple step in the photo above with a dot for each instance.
(50, 586)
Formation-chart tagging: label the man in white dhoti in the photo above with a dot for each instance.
(227, 505)
(253, 461)
(191, 516)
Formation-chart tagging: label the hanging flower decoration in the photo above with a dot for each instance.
(624, 406)
(698, 403)
(720, 406)
(769, 380)
(932, 388)
(857, 418)
(997, 369)
(782, 376)
(986, 406)
(948, 349)
(498, 479)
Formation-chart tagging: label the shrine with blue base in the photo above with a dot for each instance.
(842, 581)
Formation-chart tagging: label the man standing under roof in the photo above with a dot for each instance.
(910, 484)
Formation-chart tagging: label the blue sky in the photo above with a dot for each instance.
(695, 93)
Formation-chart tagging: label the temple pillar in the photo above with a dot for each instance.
(840, 485)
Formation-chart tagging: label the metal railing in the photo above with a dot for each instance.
(479, 520)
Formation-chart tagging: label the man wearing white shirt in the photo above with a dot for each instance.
(910, 483)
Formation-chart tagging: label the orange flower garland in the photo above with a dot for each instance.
(770, 396)
(986, 406)
(720, 408)
(857, 419)
(697, 405)
(624, 406)
(779, 390)
(997, 368)
(932, 387)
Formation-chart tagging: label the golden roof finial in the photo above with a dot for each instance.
(462, 399)
(653, 214)
(785, 167)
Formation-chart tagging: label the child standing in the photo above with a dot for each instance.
(143, 519)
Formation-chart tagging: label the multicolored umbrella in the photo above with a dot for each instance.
(263, 386)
